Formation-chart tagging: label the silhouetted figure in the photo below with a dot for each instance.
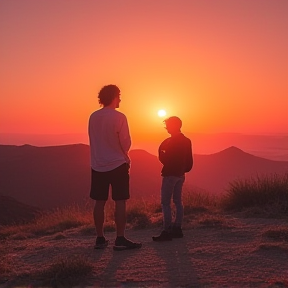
(109, 145)
(175, 153)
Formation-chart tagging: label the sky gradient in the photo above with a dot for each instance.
(220, 65)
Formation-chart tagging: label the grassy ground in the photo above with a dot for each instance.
(265, 197)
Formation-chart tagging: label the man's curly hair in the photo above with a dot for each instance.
(107, 94)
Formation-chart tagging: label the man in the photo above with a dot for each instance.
(109, 145)
(175, 153)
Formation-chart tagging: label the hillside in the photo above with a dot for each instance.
(15, 212)
(54, 176)
(45, 177)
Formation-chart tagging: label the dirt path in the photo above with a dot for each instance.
(235, 256)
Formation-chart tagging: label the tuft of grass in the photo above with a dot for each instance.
(6, 231)
(59, 236)
(60, 220)
(138, 215)
(6, 266)
(109, 226)
(277, 234)
(269, 247)
(199, 202)
(268, 192)
(50, 222)
(215, 221)
(88, 230)
(21, 236)
(66, 271)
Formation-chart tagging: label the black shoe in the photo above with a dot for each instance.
(101, 243)
(121, 243)
(164, 236)
(176, 232)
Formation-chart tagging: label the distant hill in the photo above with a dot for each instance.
(15, 212)
(270, 146)
(45, 177)
(214, 172)
(273, 146)
(56, 176)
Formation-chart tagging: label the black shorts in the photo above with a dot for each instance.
(118, 178)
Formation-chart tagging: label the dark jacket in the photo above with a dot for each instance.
(175, 153)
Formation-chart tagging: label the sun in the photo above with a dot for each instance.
(161, 113)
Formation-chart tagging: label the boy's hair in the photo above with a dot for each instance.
(107, 94)
(173, 121)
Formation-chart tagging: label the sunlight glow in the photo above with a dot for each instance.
(161, 113)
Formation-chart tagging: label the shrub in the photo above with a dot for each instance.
(66, 271)
(60, 220)
(138, 215)
(269, 192)
(50, 222)
(198, 202)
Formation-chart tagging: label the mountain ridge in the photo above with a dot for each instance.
(53, 176)
(272, 146)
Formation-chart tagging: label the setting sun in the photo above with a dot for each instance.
(161, 113)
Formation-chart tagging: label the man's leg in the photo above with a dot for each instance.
(120, 193)
(121, 242)
(120, 217)
(98, 214)
(166, 194)
(177, 199)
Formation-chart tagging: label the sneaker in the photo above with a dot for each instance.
(122, 243)
(176, 232)
(164, 236)
(101, 243)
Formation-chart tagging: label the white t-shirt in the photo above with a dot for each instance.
(109, 139)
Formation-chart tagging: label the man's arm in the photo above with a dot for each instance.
(162, 153)
(189, 157)
(124, 136)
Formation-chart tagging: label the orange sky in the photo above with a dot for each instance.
(220, 65)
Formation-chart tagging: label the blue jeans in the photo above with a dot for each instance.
(172, 186)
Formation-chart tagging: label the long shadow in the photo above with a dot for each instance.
(116, 273)
(178, 263)
(111, 266)
(155, 264)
